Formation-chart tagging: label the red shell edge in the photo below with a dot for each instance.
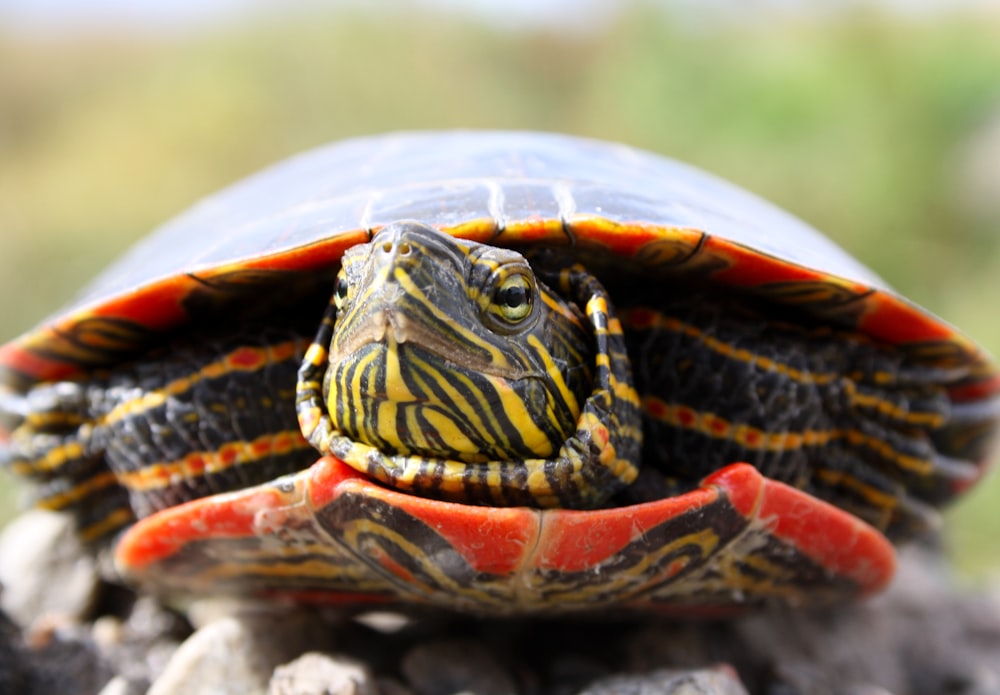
(504, 541)
(159, 305)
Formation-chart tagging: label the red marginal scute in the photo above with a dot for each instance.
(572, 541)
(833, 538)
(326, 477)
(20, 357)
(163, 534)
(975, 391)
(837, 540)
(494, 540)
(742, 484)
(491, 539)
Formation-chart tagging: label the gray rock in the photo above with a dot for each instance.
(44, 569)
(238, 654)
(140, 644)
(13, 671)
(449, 667)
(320, 674)
(65, 660)
(119, 685)
(715, 681)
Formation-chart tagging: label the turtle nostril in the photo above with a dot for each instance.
(402, 248)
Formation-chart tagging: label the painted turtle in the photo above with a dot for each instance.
(518, 321)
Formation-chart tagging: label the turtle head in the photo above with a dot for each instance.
(451, 349)
(448, 367)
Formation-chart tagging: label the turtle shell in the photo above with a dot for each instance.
(623, 211)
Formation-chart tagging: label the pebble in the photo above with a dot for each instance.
(447, 667)
(40, 544)
(237, 655)
(65, 659)
(320, 674)
(13, 678)
(120, 685)
(715, 681)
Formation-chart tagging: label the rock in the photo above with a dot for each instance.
(319, 674)
(119, 685)
(569, 673)
(13, 676)
(66, 660)
(140, 645)
(449, 667)
(61, 660)
(238, 654)
(44, 569)
(716, 681)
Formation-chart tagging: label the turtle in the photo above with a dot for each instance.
(500, 373)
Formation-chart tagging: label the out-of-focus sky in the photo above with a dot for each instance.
(59, 16)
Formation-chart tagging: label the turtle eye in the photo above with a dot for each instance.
(341, 291)
(513, 298)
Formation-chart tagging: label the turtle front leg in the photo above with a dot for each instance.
(192, 420)
(52, 444)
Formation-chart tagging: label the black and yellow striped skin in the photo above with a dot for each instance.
(828, 412)
(197, 419)
(417, 379)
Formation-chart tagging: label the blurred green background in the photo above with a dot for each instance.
(880, 127)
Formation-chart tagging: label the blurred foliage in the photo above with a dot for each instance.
(862, 124)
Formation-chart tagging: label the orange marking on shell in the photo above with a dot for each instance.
(534, 230)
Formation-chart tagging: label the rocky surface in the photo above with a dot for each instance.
(76, 634)
(41, 544)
